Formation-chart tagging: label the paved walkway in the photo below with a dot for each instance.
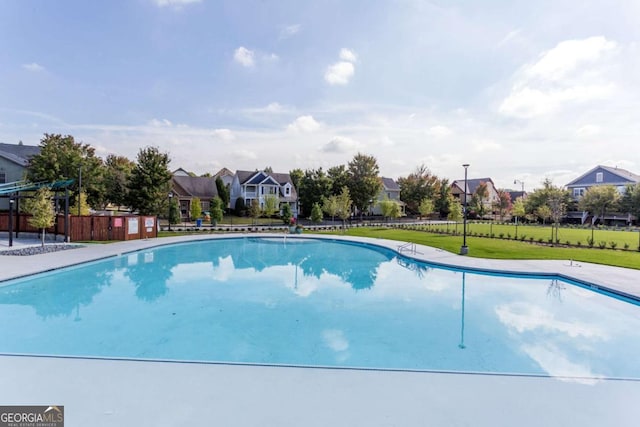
(135, 393)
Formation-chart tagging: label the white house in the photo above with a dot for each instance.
(259, 184)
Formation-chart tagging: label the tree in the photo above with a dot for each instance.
(286, 213)
(240, 206)
(518, 211)
(544, 213)
(344, 203)
(254, 210)
(419, 185)
(542, 195)
(296, 177)
(84, 206)
(223, 192)
(426, 207)
(599, 199)
(61, 158)
(174, 212)
(389, 208)
(314, 186)
(330, 206)
(479, 199)
(364, 181)
(444, 199)
(503, 204)
(117, 173)
(196, 208)
(630, 201)
(316, 213)
(339, 177)
(271, 205)
(216, 210)
(455, 214)
(150, 182)
(41, 209)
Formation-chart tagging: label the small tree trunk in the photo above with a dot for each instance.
(43, 237)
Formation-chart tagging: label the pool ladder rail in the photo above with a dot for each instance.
(409, 247)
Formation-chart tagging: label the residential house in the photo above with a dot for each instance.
(185, 188)
(181, 172)
(259, 184)
(601, 175)
(14, 159)
(391, 191)
(458, 191)
(226, 176)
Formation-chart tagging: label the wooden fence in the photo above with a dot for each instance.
(87, 228)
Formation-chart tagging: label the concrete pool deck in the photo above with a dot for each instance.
(100, 392)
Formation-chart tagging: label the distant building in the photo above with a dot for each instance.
(14, 159)
(458, 191)
(186, 188)
(257, 185)
(602, 175)
(390, 190)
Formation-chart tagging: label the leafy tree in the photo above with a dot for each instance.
(286, 213)
(206, 175)
(268, 169)
(240, 206)
(223, 192)
(344, 205)
(216, 210)
(364, 181)
(84, 206)
(455, 214)
(254, 210)
(479, 199)
(419, 185)
(388, 207)
(62, 158)
(518, 210)
(426, 207)
(339, 177)
(444, 199)
(316, 213)
(117, 173)
(196, 208)
(503, 204)
(544, 213)
(174, 212)
(271, 205)
(630, 201)
(314, 186)
(41, 209)
(330, 206)
(296, 177)
(599, 200)
(150, 182)
(542, 195)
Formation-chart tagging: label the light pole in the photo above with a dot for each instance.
(464, 249)
(170, 208)
(517, 181)
(11, 221)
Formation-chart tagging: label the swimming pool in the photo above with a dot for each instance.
(312, 302)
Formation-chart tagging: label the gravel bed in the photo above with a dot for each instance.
(35, 250)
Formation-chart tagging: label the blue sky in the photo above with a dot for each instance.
(519, 89)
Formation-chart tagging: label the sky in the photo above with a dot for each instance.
(519, 90)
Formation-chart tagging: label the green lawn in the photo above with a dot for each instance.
(503, 249)
(573, 236)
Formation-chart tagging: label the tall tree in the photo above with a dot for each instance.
(254, 210)
(339, 177)
(117, 172)
(223, 193)
(330, 206)
(630, 201)
(426, 207)
(196, 208)
(389, 208)
(296, 176)
(479, 199)
(420, 184)
(444, 199)
(216, 210)
(150, 182)
(62, 158)
(41, 209)
(364, 181)
(271, 205)
(344, 203)
(503, 204)
(314, 187)
(542, 195)
(599, 200)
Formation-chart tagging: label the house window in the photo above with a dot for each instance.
(3, 177)
(287, 191)
(578, 192)
(599, 177)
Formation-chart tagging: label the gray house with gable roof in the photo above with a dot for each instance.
(257, 185)
(602, 175)
(14, 159)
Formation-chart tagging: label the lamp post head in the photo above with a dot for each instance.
(466, 165)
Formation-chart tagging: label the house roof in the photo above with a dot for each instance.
(390, 184)
(281, 178)
(515, 194)
(472, 184)
(195, 186)
(18, 153)
(614, 175)
(223, 172)
(180, 172)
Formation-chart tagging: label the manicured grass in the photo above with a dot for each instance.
(503, 249)
(565, 234)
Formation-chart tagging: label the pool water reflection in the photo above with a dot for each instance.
(320, 303)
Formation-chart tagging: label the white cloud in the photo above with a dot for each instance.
(340, 144)
(575, 71)
(347, 55)
(244, 57)
(289, 30)
(439, 131)
(224, 134)
(176, 3)
(245, 154)
(270, 57)
(588, 130)
(274, 107)
(486, 145)
(304, 124)
(339, 73)
(160, 123)
(35, 67)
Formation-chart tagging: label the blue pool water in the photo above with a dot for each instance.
(320, 303)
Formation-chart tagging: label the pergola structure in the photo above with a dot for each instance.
(12, 190)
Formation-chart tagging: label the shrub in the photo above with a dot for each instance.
(540, 239)
(531, 239)
(613, 245)
(568, 243)
(602, 244)
(626, 246)
(578, 243)
(590, 242)
(501, 235)
(523, 237)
